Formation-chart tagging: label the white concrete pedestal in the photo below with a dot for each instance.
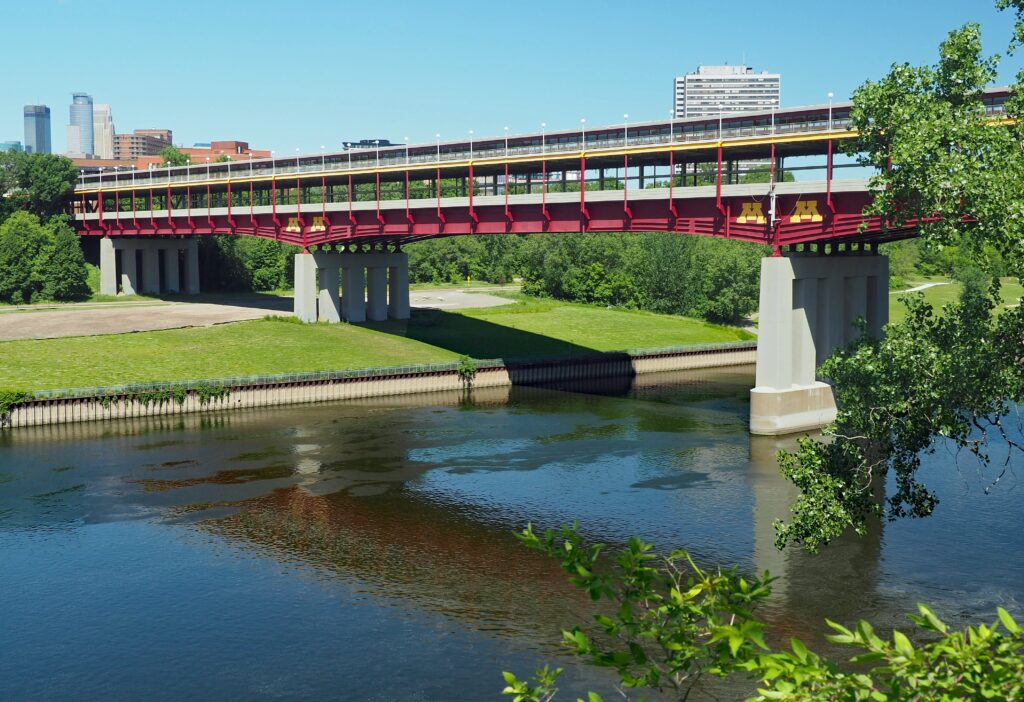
(809, 305)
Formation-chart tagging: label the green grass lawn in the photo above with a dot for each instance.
(949, 293)
(535, 328)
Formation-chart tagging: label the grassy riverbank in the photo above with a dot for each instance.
(528, 328)
(947, 292)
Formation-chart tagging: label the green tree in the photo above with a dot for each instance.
(667, 623)
(24, 244)
(38, 183)
(65, 276)
(173, 157)
(940, 160)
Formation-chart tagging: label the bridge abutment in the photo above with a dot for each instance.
(160, 270)
(809, 306)
(374, 286)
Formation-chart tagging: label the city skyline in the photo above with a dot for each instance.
(415, 89)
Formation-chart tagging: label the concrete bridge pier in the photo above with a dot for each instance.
(154, 277)
(809, 307)
(374, 286)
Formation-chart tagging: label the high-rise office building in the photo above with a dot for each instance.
(102, 132)
(10, 146)
(80, 128)
(713, 90)
(37, 129)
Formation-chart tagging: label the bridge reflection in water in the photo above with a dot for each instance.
(407, 505)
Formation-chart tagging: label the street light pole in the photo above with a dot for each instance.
(207, 168)
(296, 160)
(625, 130)
(323, 158)
(470, 144)
(583, 133)
(407, 151)
(438, 136)
(348, 150)
(506, 142)
(672, 125)
(721, 109)
(830, 95)
(250, 164)
(273, 163)
(543, 125)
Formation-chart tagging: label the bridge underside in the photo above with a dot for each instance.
(801, 219)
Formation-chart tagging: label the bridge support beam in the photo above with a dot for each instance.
(108, 267)
(809, 306)
(155, 278)
(374, 286)
(305, 287)
(129, 270)
(172, 277)
(151, 270)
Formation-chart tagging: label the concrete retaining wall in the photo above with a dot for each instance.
(93, 407)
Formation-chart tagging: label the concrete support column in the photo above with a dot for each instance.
(353, 299)
(305, 287)
(809, 304)
(129, 273)
(151, 270)
(855, 305)
(108, 267)
(377, 293)
(172, 279)
(878, 296)
(191, 266)
(398, 286)
(330, 299)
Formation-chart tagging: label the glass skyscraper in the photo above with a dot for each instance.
(80, 130)
(37, 129)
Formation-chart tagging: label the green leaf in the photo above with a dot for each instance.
(1008, 622)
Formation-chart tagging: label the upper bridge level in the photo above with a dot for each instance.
(723, 176)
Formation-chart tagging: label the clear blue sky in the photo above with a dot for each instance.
(303, 73)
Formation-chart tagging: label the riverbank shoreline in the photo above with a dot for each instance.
(130, 401)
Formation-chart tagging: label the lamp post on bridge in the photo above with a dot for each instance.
(470, 144)
(207, 169)
(376, 146)
(296, 160)
(273, 163)
(625, 130)
(721, 110)
(323, 158)
(506, 142)
(543, 126)
(583, 134)
(672, 125)
(438, 137)
(188, 160)
(407, 151)
(830, 95)
(83, 177)
(348, 150)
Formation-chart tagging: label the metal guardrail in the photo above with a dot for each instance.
(242, 382)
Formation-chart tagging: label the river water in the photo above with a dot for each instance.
(364, 550)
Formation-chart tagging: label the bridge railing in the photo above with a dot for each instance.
(596, 142)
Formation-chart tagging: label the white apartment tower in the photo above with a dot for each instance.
(103, 131)
(713, 90)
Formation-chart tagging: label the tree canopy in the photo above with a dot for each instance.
(951, 376)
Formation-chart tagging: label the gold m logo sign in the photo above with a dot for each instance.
(317, 225)
(751, 214)
(293, 225)
(806, 211)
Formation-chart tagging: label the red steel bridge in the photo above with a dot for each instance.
(686, 176)
(732, 177)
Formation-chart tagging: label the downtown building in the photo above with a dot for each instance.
(711, 91)
(37, 129)
(80, 127)
(141, 142)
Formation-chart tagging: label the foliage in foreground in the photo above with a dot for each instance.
(664, 623)
(942, 162)
(40, 261)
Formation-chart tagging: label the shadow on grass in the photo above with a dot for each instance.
(477, 338)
